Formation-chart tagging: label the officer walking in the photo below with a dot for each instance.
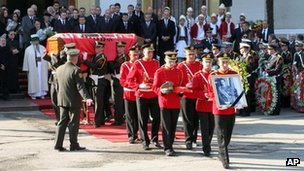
(70, 93)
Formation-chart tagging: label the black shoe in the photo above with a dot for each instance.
(245, 114)
(157, 144)
(96, 126)
(60, 149)
(77, 148)
(131, 140)
(146, 147)
(169, 152)
(207, 153)
(189, 146)
(117, 123)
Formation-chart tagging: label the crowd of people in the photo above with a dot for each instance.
(170, 74)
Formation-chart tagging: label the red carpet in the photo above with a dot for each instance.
(108, 132)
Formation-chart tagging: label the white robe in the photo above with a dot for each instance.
(37, 75)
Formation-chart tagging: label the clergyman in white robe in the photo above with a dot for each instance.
(37, 70)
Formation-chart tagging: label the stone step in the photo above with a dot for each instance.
(17, 96)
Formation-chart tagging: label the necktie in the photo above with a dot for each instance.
(107, 20)
(63, 22)
(82, 28)
(148, 24)
(32, 20)
(166, 22)
(94, 18)
(265, 34)
(126, 25)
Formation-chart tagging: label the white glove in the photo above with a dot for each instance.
(89, 102)
(53, 58)
(84, 56)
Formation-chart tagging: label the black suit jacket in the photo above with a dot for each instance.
(87, 29)
(93, 24)
(206, 44)
(121, 27)
(148, 32)
(104, 27)
(262, 35)
(165, 31)
(60, 28)
(237, 37)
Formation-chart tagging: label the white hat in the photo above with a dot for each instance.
(222, 6)
(246, 41)
(182, 17)
(213, 15)
(228, 13)
(203, 6)
(201, 15)
(190, 9)
(242, 14)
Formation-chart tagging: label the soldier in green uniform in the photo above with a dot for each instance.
(286, 74)
(55, 62)
(99, 73)
(118, 89)
(71, 90)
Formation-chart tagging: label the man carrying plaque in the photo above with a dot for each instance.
(166, 79)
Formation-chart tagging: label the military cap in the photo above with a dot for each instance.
(244, 45)
(149, 47)
(135, 48)
(225, 44)
(263, 45)
(284, 41)
(171, 55)
(242, 15)
(99, 44)
(224, 57)
(73, 52)
(190, 49)
(120, 44)
(207, 57)
(272, 46)
(218, 46)
(70, 45)
(34, 37)
(209, 30)
(3, 36)
(167, 8)
(298, 43)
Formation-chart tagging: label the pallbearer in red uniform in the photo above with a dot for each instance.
(166, 79)
(129, 95)
(224, 118)
(204, 103)
(190, 117)
(141, 79)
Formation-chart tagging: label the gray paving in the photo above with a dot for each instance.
(258, 143)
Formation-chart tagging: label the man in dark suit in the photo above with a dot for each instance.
(83, 27)
(239, 33)
(62, 25)
(105, 23)
(27, 25)
(70, 93)
(265, 32)
(148, 30)
(124, 25)
(137, 18)
(92, 19)
(166, 32)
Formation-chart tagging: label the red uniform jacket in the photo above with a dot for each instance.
(138, 75)
(171, 100)
(215, 109)
(129, 93)
(194, 29)
(224, 28)
(189, 70)
(200, 88)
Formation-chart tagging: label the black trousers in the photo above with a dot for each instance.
(169, 119)
(190, 119)
(207, 128)
(277, 108)
(98, 95)
(223, 126)
(4, 89)
(68, 117)
(119, 102)
(106, 97)
(144, 107)
(132, 119)
(53, 95)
